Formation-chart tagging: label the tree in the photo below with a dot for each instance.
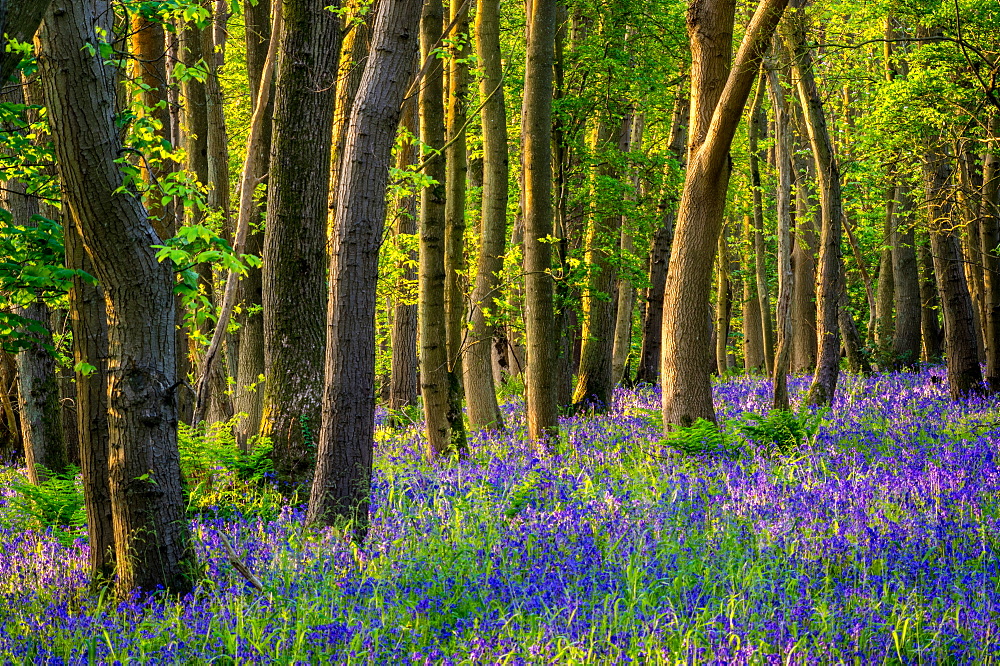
(294, 259)
(719, 96)
(480, 392)
(829, 287)
(19, 20)
(536, 148)
(152, 542)
(343, 472)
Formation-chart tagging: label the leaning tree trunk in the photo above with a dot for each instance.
(341, 486)
(152, 540)
(294, 260)
(718, 100)
(480, 391)
(536, 148)
(829, 288)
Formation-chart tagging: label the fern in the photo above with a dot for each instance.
(701, 438)
(56, 503)
(781, 431)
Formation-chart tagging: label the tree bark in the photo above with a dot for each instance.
(804, 247)
(480, 391)
(961, 351)
(753, 330)
(622, 348)
(456, 171)
(758, 124)
(90, 348)
(715, 114)
(403, 379)
(341, 486)
(659, 255)
(906, 284)
(152, 542)
(723, 305)
(930, 323)
(536, 148)
(294, 266)
(443, 435)
(989, 241)
(248, 395)
(595, 382)
(830, 280)
(786, 275)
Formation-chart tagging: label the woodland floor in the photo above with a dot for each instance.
(874, 541)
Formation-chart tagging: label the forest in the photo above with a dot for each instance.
(483, 331)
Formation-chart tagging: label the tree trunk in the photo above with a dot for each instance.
(804, 246)
(403, 378)
(341, 486)
(786, 276)
(930, 323)
(445, 428)
(90, 348)
(659, 256)
(989, 231)
(758, 124)
(456, 171)
(906, 284)
(753, 330)
(595, 382)
(536, 148)
(626, 292)
(249, 393)
(964, 374)
(480, 391)
(885, 299)
(152, 542)
(294, 266)
(719, 98)
(830, 280)
(723, 305)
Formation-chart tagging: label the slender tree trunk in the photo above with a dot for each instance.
(989, 241)
(885, 331)
(930, 323)
(456, 171)
(718, 101)
(786, 276)
(403, 378)
(964, 373)
(758, 124)
(659, 256)
(152, 542)
(341, 486)
(249, 393)
(595, 382)
(857, 360)
(723, 305)
(906, 284)
(753, 330)
(626, 292)
(830, 280)
(480, 392)
(536, 148)
(445, 434)
(805, 244)
(294, 266)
